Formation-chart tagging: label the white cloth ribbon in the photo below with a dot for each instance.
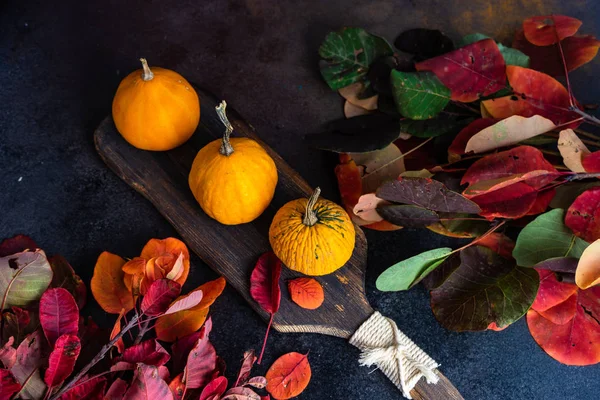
(384, 345)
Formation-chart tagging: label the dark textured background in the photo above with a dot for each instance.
(60, 64)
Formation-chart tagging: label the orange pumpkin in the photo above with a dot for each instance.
(155, 109)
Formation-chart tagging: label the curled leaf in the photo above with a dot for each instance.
(572, 150)
(306, 292)
(588, 268)
(288, 376)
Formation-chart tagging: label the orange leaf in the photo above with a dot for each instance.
(306, 292)
(161, 247)
(288, 376)
(120, 345)
(181, 323)
(107, 284)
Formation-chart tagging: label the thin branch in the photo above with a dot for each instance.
(480, 238)
(587, 117)
(586, 134)
(142, 332)
(401, 156)
(564, 63)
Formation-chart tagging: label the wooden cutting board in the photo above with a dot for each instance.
(232, 251)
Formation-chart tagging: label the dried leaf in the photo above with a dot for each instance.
(426, 193)
(409, 272)
(470, 72)
(159, 296)
(545, 30)
(353, 95)
(17, 244)
(351, 111)
(148, 385)
(583, 215)
(59, 314)
(201, 362)
(27, 367)
(8, 354)
(366, 207)
(418, 95)
(288, 376)
(241, 393)
(107, 284)
(8, 384)
(484, 289)
(588, 269)
(457, 148)
(23, 278)
(408, 216)
(62, 359)
(120, 345)
(507, 132)
(424, 43)
(246, 368)
(546, 237)
(258, 382)
(17, 323)
(572, 150)
(65, 277)
(347, 54)
(215, 389)
(306, 292)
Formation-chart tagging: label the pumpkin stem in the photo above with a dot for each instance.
(147, 75)
(310, 217)
(226, 148)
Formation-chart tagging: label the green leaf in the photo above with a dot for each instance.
(407, 273)
(418, 95)
(347, 55)
(546, 237)
(486, 288)
(511, 56)
(23, 278)
(433, 127)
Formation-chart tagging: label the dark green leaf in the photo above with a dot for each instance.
(418, 95)
(424, 43)
(427, 193)
(347, 55)
(439, 126)
(408, 216)
(407, 273)
(357, 135)
(486, 288)
(546, 237)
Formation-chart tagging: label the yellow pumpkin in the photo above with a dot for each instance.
(312, 236)
(233, 179)
(155, 109)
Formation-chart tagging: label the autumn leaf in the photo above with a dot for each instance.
(59, 314)
(408, 216)
(148, 385)
(507, 132)
(169, 256)
(288, 376)
(347, 54)
(18, 323)
(246, 367)
(120, 345)
(409, 272)
(62, 359)
(107, 284)
(201, 361)
(215, 389)
(148, 352)
(27, 366)
(8, 385)
(564, 321)
(353, 95)
(582, 216)
(351, 111)
(535, 94)
(572, 150)
(546, 237)
(426, 193)
(424, 43)
(418, 95)
(264, 288)
(177, 387)
(588, 268)
(484, 289)
(65, 277)
(459, 144)
(545, 30)
(159, 296)
(591, 162)
(17, 244)
(8, 354)
(23, 278)
(443, 124)
(366, 208)
(306, 292)
(470, 72)
(511, 56)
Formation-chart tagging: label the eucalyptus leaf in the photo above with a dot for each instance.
(23, 278)
(433, 127)
(486, 288)
(408, 216)
(546, 237)
(347, 54)
(418, 95)
(407, 273)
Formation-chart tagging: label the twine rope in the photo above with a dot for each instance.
(384, 345)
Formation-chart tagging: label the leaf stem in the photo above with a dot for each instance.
(101, 354)
(401, 156)
(226, 148)
(265, 341)
(143, 330)
(480, 238)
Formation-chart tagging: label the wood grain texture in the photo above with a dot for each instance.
(232, 251)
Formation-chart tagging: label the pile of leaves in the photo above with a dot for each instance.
(159, 347)
(475, 139)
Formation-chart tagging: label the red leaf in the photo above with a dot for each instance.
(583, 216)
(117, 390)
(246, 368)
(545, 30)
(535, 94)
(591, 162)
(264, 288)
(457, 148)
(215, 389)
(498, 243)
(59, 314)
(177, 387)
(578, 50)
(201, 361)
(148, 385)
(471, 72)
(565, 321)
(543, 200)
(8, 354)
(16, 244)
(8, 384)
(159, 296)
(512, 201)
(27, 367)
(288, 376)
(149, 352)
(65, 277)
(62, 359)
(518, 160)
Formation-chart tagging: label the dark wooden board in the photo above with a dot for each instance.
(232, 251)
